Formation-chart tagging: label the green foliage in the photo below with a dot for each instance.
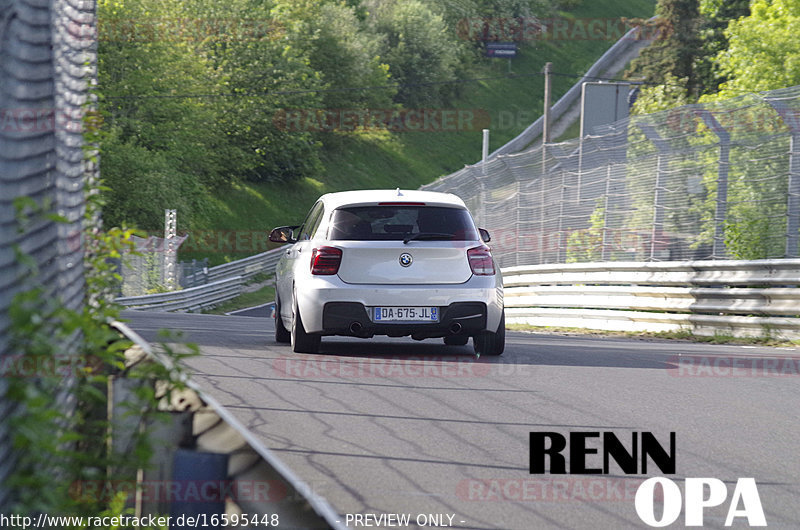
(763, 51)
(268, 75)
(673, 52)
(420, 49)
(748, 238)
(683, 60)
(209, 156)
(716, 15)
(661, 97)
(144, 182)
(69, 355)
(159, 151)
(587, 245)
(347, 53)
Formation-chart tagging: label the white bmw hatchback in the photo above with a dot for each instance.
(388, 262)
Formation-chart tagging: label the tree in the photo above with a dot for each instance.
(673, 52)
(763, 51)
(266, 75)
(346, 53)
(420, 49)
(716, 14)
(160, 149)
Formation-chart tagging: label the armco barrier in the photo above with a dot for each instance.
(247, 267)
(225, 282)
(740, 298)
(257, 482)
(192, 299)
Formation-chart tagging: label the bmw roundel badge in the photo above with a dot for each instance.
(405, 259)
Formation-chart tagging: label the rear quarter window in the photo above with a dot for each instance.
(395, 223)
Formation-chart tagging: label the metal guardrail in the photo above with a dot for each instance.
(225, 282)
(246, 267)
(259, 483)
(740, 298)
(192, 299)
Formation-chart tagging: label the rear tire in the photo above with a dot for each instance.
(491, 343)
(282, 334)
(302, 342)
(456, 340)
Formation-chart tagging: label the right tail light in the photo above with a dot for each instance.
(325, 261)
(480, 261)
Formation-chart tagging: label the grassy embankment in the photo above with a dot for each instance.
(379, 159)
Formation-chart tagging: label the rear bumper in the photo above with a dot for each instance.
(329, 306)
(352, 319)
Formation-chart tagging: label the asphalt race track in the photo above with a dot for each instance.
(395, 426)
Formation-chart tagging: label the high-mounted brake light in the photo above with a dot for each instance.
(401, 204)
(326, 260)
(480, 261)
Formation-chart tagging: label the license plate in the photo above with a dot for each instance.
(405, 314)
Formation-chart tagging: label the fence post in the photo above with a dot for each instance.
(541, 217)
(561, 240)
(484, 151)
(658, 208)
(170, 251)
(604, 248)
(718, 249)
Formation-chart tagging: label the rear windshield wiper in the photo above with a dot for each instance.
(427, 235)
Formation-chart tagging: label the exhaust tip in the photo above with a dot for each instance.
(455, 328)
(355, 327)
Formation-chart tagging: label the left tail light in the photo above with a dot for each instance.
(480, 261)
(326, 260)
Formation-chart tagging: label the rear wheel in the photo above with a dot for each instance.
(281, 333)
(302, 342)
(456, 340)
(491, 343)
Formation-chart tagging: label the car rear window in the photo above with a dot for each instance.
(396, 223)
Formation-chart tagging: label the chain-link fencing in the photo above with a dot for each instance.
(151, 267)
(706, 181)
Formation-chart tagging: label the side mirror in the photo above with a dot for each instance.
(283, 234)
(485, 237)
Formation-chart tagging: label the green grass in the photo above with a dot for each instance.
(408, 160)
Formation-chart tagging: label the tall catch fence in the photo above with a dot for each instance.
(47, 69)
(706, 181)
